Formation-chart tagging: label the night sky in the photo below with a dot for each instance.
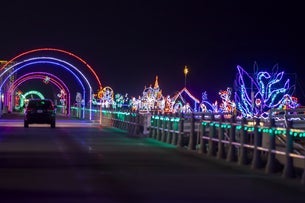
(129, 42)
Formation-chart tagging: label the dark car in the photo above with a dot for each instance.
(41, 111)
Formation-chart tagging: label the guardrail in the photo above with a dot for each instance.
(252, 142)
(130, 121)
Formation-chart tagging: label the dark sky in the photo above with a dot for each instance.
(130, 42)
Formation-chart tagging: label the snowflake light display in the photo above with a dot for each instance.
(258, 93)
(46, 80)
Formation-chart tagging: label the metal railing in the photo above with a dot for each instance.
(253, 142)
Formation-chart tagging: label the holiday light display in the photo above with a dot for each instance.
(205, 105)
(289, 102)
(46, 80)
(122, 101)
(7, 67)
(48, 49)
(107, 98)
(23, 98)
(17, 100)
(184, 102)
(48, 60)
(256, 95)
(151, 99)
(32, 93)
(227, 105)
(62, 97)
(37, 75)
(104, 98)
(119, 100)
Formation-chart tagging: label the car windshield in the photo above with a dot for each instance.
(45, 104)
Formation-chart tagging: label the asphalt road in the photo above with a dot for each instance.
(82, 162)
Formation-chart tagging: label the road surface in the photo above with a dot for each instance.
(82, 162)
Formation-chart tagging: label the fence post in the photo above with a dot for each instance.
(111, 118)
(288, 171)
(134, 125)
(202, 141)
(242, 158)
(128, 124)
(169, 128)
(131, 126)
(232, 150)
(211, 149)
(270, 166)
(158, 127)
(138, 125)
(164, 124)
(303, 175)
(124, 122)
(180, 135)
(131, 121)
(192, 144)
(220, 152)
(256, 160)
(114, 118)
(155, 130)
(152, 126)
(174, 127)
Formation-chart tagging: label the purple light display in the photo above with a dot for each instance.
(257, 93)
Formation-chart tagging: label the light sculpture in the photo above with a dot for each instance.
(205, 105)
(39, 75)
(16, 58)
(48, 60)
(23, 97)
(7, 65)
(258, 93)
(227, 105)
(152, 99)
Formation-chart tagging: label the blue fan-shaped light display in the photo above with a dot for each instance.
(256, 94)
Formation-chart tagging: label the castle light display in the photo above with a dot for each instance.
(152, 99)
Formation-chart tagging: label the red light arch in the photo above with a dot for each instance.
(56, 50)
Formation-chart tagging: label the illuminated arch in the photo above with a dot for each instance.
(55, 50)
(10, 92)
(47, 60)
(41, 75)
(38, 75)
(35, 92)
(54, 61)
(23, 97)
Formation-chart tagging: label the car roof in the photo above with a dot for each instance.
(40, 101)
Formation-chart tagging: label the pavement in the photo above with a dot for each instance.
(97, 164)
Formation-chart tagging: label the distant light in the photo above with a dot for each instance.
(186, 70)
